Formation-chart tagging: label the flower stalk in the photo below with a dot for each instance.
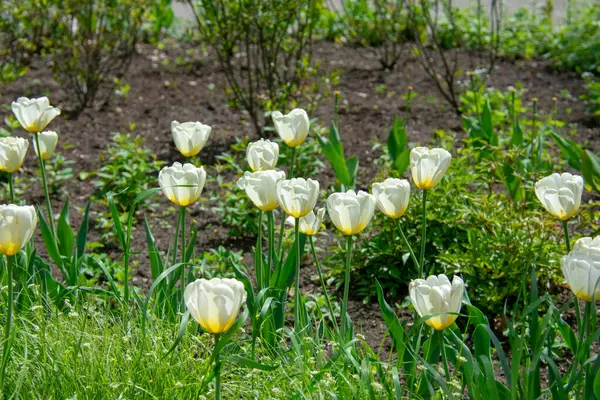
(346, 285)
(9, 312)
(45, 184)
(423, 234)
(323, 285)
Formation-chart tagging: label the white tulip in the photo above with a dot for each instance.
(182, 184)
(215, 304)
(392, 196)
(428, 167)
(12, 153)
(190, 137)
(262, 155)
(351, 212)
(560, 194)
(34, 114)
(293, 127)
(581, 268)
(310, 224)
(437, 295)
(17, 224)
(48, 141)
(297, 196)
(261, 187)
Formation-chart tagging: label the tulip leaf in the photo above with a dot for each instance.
(402, 162)
(83, 231)
(517, 135)
(156, 264)
(591, 170)
(64, 233)
(556, 387)
(288, 270)
(334, 152)
(226, 336)
(48, 238)
(481, 342)
(597, 384)
(352, 167)
(392, 322)
(248, 363)
(116, 219)
(182, 328)
(241, 276)
(573, 151)
(566, 332)
(487, 125)
(397, 139)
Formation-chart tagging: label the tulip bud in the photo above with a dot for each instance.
(310, 224)
(215, 304)
(48, 141)
(392, 196)
(182, 184)
(12, 153)
(261, 187)
(190, 137)
(581, 268)
(293, 127)
(560, 194)
(437, 295)
(428, 167)
(262, 155)
(34, 114)
(297, 196)
(17, 224)
(351, 212)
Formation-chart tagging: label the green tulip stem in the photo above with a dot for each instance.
(282, 227)
(297, 312)
(323, 285)
(259, 262)
(217, 370)
(11, 189)
(271, 219)
(440, 335)
(423, 235)
(346, 285)
(567, 240)
(9, 312)
(183, 249)
(412, 253)
(176, 240)
(45, 183)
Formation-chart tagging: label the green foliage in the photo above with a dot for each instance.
(127, 170)
(264, 48)
(94, 46)
(592, 95)
(345, 168)
(576, 46)
(382, 25)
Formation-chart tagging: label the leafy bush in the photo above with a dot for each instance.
(96, 42)
(264, 48)
(592, 94)
(576, 46)
(380, 24)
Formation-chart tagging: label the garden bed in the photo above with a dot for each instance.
(180, 83)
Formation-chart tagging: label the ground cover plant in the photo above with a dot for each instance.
(355, 238)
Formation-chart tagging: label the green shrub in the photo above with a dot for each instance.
(97, 40)
(264, 48)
